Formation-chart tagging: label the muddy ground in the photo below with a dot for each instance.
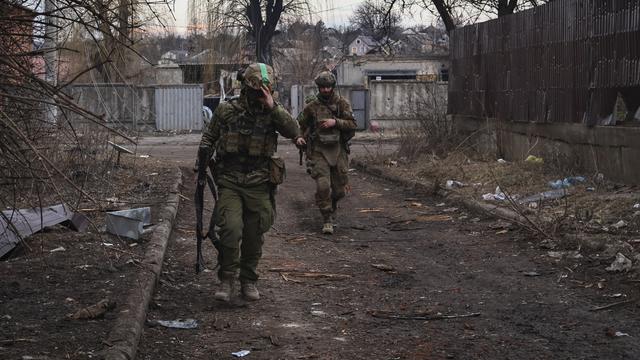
(405, 276)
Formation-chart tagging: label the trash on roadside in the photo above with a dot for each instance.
(590, 189)
(60, 248)
(128, 223)
(17, 224)
(451, 209)
(621, 263)
(498, 195)
(383, 267)
(567, 254)
(636, 206)
(534, 160)
(547, 195)
(614, 333)
(620, 224)
(318, 313)
(144, 156)
(502, 161)
(453, 184)
(440, 204)
(566, 182)
(94, 311)
(176, 324)
(241, 353)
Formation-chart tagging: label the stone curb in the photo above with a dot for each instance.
(430, 188)
(124, 336)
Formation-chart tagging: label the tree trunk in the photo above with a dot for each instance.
(445, 14)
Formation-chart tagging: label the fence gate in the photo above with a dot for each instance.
(359, 107)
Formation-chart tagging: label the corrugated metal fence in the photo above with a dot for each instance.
(567, 61)
(178, 107)
(160, 107)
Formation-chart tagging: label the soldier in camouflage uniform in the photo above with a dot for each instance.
(243, 135)
(327, 125)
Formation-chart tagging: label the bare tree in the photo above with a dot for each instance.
(258, 18)
(454, 12)
(375, 19)
(37, 154)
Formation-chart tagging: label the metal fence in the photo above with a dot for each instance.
(159, 107)
(567, 61)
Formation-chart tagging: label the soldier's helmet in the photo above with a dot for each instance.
(258, 74)
(325, 79)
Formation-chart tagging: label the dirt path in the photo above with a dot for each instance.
(394, 254)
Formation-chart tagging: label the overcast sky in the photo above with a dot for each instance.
(332, 12)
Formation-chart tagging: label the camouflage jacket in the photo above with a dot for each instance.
(245, 139)
(316, 110)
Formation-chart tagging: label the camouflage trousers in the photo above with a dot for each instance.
(242, 215)
(331, 181)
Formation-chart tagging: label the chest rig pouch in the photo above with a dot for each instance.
(326, 136)
(248, 134)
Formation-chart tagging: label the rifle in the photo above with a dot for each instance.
(204, 177)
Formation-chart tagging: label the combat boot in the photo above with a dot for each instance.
(327, 228)
(225, 291)
(250, 291)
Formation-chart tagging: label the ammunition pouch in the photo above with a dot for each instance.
(277, 170)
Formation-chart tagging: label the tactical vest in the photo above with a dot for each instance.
(329, 136)
(244, 134)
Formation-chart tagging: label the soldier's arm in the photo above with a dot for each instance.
(284, 123)
(212, 133)
(303, 120)
(346, 120)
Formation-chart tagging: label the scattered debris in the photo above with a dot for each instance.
(451, 209)
(383, 267)
(241, 353)
(128, 223)
(534, 160)
(440, 204)
(421, 316)
(58, 249)
(18, 224)
(453, 184)
(547, 195)
(609, 306)
(318, 313)
(175, 324)
(498, 195)
(120, 149)
(502, 161)
(370, 210)
(430, 218)
(620, 224)
(621, 263)
(636, 206)
(94, 311)
(566, 182)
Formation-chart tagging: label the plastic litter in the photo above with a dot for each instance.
(547, 195)
(621, 263)
(453, 184)
(534, 160)
(177, 324)
(502, 161)
(498, 195)
(241, 353)
(636, 206)
(620, 224)
(58, 249)
(566, 182)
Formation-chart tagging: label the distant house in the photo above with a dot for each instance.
(362, 45)
(173, 57)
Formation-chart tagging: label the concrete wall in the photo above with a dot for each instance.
(168, 74)
(353, 72)
(612, 151)
(397, 103)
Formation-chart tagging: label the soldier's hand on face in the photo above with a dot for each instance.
(267, 98)
(300, 141)
(328, 123)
